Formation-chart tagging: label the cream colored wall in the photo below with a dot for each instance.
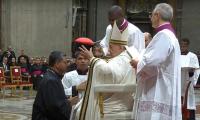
(191, 23)
(37, 26)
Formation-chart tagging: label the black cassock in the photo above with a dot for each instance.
(50, 102)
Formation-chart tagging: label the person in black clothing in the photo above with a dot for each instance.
(9, 53)
(44, 63)
(50, 102)
(13, 62)
(5, 66)
(36, 73)
(24, 64)
(1, 55)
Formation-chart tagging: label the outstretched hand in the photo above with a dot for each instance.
(87, 53)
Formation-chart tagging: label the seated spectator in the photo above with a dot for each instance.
(73, 80)
(44, 63)
(13, 62)
(36, 73)
(9, 53)
(31, 61)
(22, 54)
(5, 66)
(37, 68)
(1, 55)
(24, 64)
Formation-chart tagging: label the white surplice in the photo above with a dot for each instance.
(189, 61)
(72, 79)
(158, 95)
(135, 38)
(115, 71)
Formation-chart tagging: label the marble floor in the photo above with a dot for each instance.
(20, 107)
(16, 107)
(197, 97)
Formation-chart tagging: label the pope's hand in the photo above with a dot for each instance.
(87, 53)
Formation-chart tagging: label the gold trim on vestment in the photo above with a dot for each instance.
(120, 42)
(87, 92)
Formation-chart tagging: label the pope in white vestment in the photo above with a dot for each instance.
(189, 63)
(135, 38)
(116, 70)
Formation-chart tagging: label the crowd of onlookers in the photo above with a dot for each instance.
(34, 67)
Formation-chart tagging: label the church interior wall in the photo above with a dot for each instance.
(190, 23)
(37, 26)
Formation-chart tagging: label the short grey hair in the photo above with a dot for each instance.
(165, 10)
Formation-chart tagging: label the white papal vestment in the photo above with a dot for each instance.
(114, 71)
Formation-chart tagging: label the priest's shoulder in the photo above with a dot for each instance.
(163, 33)
(132, 28)
(50, 75)
(192, 54)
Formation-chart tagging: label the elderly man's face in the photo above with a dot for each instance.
(115, 49)
(154, 19)
(5, 60)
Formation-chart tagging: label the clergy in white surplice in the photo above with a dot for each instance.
(72, 80)
(158, 95)
(116, 70)
(135, 36)
(189, 74)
